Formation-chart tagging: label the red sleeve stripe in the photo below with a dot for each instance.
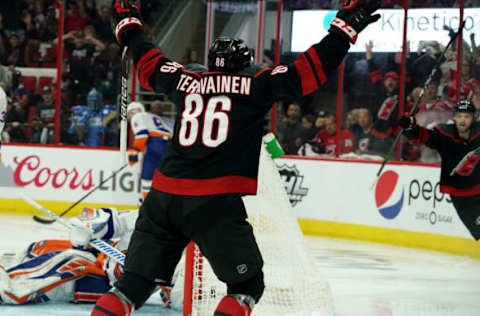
(383, 135)
(261, 71)
(146, 71)
(192, 72)
(317, 63)
(307, 77)
(146, 66)
(448, 135)
(423, 136)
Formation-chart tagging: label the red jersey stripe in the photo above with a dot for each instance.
(200, 187)
(318, 64)
(475, 190)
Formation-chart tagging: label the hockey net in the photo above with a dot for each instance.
(292, 284)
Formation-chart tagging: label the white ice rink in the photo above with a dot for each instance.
(366, 279)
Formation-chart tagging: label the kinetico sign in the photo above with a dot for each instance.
(309, 26)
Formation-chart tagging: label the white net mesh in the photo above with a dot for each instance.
(293, 286)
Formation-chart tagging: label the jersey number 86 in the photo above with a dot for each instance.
(190, 127)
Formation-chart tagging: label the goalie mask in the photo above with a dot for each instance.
(229, 55)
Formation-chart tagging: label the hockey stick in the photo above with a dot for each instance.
(437, 64)
(50, 221)
(123, 107)
(475, 155)
(98, 244)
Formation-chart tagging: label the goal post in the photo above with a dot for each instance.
(293, 286)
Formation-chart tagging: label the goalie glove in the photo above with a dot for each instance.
(91, 223)
(125, 19)
(354, 17)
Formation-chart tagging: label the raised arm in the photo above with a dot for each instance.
(312, 68)
(129, 31)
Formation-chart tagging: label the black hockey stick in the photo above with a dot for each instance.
(466, 163)
(50, 221)
(438, 62)
(123, 106)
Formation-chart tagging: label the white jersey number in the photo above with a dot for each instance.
(216, 112)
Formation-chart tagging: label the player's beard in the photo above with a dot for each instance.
(463, 128)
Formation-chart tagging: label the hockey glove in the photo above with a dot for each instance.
(132, 156)
(125, 19)
(80, 235)
(354, 17)
(406, 121)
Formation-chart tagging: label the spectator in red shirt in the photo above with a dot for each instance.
(328, 138)
(76, 19)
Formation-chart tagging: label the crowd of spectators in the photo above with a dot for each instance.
(371, 103)
(91, 64)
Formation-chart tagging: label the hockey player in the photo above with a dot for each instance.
(454, 141)
(66, 270)
(213, 160)
(152, 134)
(3, 116)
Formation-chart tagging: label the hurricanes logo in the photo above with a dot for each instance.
(293, 183)
(388, 195)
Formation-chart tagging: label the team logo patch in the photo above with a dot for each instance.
(477, 222)
(389, 195)
(242, 268)
(87, 213)
(293, 183)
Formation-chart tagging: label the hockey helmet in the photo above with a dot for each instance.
(465, 106)
(229, 54)
(135, 106)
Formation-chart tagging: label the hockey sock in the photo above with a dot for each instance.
(113, 303)
(235, 305)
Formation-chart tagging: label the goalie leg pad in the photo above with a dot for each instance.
(235, 305)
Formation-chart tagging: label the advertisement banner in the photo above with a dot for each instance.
(66, 174)
(309, 26)
(405, 197)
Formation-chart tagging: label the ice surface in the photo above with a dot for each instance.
(366, 279)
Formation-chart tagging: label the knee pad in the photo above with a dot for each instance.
(253, 287)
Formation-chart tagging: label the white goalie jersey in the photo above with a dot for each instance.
(62, 270)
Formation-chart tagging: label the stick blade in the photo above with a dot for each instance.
(43, 220)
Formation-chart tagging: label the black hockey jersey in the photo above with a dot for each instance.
(445, 139)
(217, 136)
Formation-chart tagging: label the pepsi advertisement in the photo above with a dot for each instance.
(405, 197)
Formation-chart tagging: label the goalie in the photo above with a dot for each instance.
(69, 270)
